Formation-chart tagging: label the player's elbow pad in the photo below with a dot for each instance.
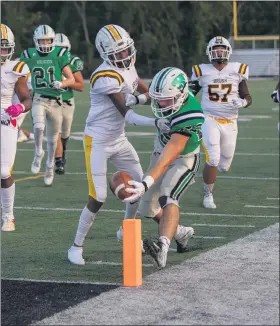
(138, 120)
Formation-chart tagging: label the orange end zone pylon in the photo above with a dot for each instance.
(132, 253)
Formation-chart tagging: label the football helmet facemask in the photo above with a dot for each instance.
(219, 50)
(168, 91)
(41, 33)
(115, 46)
(7, 43)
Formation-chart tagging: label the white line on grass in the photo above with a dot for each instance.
(224, 225)
(260, 206)
(122, 211)
(150, 152)
(201, 237)
(109, 263)
(56, 281)
(269, 198)
(198, 176)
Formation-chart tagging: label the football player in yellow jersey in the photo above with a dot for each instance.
(13, 74)
(224, 93)
(112, 84)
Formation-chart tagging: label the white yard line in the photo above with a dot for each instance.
(122, 211)
(224, 225)
(150, 152)
(109, 263)
(269, 198)
(260, 206)
(56, 281)
(198, 176)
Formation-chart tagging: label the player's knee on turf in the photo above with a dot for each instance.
(166, 200)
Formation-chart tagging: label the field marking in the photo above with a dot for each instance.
(198, 176)
(30, 178)
(122, 211)
(256, 206)
(269, 198)
(206, 237)
(150, 152)
(109, 263)
(56, 281)
(224, 225)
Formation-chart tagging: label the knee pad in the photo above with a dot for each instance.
(101, 194)
(39, 125)
(213, 161)
(166, 200)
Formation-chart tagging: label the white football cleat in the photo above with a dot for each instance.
(120, 238)
(48, 178)
(8, 223)
(22, 138)
(36, 164)
(182, 236)
(157, 250)
(208, 202)
(75, 255)
(31, 136)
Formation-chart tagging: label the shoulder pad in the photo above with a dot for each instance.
(242, 68)
(197, 71)
(21, 68)
(106, 73)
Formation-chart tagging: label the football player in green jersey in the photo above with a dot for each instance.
(68, 104)
(47, 63)
(175, 159)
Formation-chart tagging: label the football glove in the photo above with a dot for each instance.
(238, 103)
(56, 84)
(131, 100)
(15, 110)
(163, 125)
(139, 188)
(275, 96)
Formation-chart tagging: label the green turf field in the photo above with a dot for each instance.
(247, 200)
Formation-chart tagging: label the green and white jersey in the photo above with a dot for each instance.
(187, 121)
(46, 68)
(76, 64)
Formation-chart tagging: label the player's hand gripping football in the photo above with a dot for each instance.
(15, 110)
(137, 192)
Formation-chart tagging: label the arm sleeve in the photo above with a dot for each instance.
(138, 120)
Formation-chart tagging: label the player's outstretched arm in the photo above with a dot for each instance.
(171, 151)
(130, 116)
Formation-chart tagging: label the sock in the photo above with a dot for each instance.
(85, 223)
(7, 200)
(51, 152)
(165, 241)
(64, 143)
(131, 210)
(38, 136)
(208, 189)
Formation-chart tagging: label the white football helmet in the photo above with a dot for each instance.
(168, 91)
(7, 43)
(44, 32)
(115, 46)
(219, 56)
(62, 40)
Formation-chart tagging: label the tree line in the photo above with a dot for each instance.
(173, 33)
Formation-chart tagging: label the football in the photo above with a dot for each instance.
(118, 183)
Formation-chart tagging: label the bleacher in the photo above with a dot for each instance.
(262, 62)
